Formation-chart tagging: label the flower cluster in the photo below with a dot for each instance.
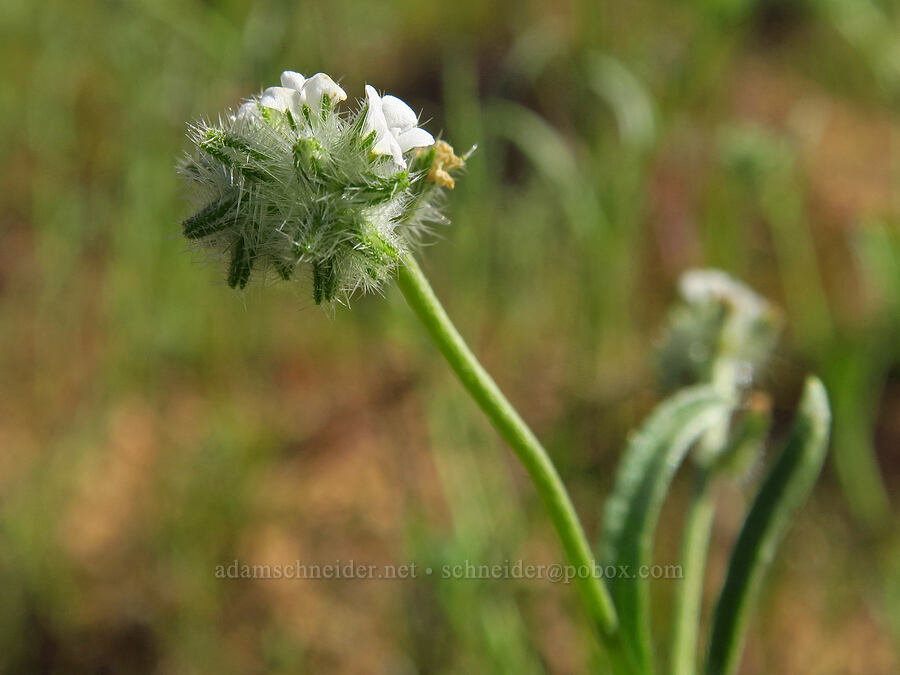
(287, 184)
(717, 317)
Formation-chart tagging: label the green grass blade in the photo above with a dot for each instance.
(555, 160)
(785, 488)
(633, 508)
(628, 98)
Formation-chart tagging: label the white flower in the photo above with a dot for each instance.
(281, 98)
(247, 111)
(292, 80)
(317, 87)
(395, 126)
(297, 91)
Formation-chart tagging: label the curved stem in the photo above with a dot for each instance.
(699, 519)
(695, 545)
(528, 449)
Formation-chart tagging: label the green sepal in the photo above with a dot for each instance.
(308, 152)
(380, 252)
(285, 269)
(215, 145)
(368, 141)
(421, 161)
(218, 139)
(356, 129)
(211, 218)
(292, 123)
(241, 264)
(379, 189)
(324, 281)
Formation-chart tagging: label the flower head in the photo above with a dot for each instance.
(718, 316)
(715, 286)
(289, 183)
(395, 126)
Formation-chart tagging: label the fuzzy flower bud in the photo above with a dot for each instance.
(289, 185)
(714, 286)
(717, 317)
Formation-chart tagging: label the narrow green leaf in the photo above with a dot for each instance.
(784, 490)
(630, 100)
(554, 159)
(632, 510)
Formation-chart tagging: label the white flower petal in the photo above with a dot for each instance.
(372, 97)
(396, 152)
(382, 146)
(248, 110)
(318, 86)
(375, 122)
(280, 98)
(292, 80)
(398, 114)
(414, 138)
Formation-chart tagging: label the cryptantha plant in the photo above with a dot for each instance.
(289, 186)
(288, 181)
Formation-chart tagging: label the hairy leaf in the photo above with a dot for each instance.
(785, 488)
(632, 510)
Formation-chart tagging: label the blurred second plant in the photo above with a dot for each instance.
(289, 187)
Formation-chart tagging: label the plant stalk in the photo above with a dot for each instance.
(528, 449)
(694, 548)
(699, 520)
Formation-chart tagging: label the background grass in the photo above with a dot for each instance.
(155, 424)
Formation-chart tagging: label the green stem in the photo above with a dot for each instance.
(694, 548)
(701, 510)
(528, 449)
